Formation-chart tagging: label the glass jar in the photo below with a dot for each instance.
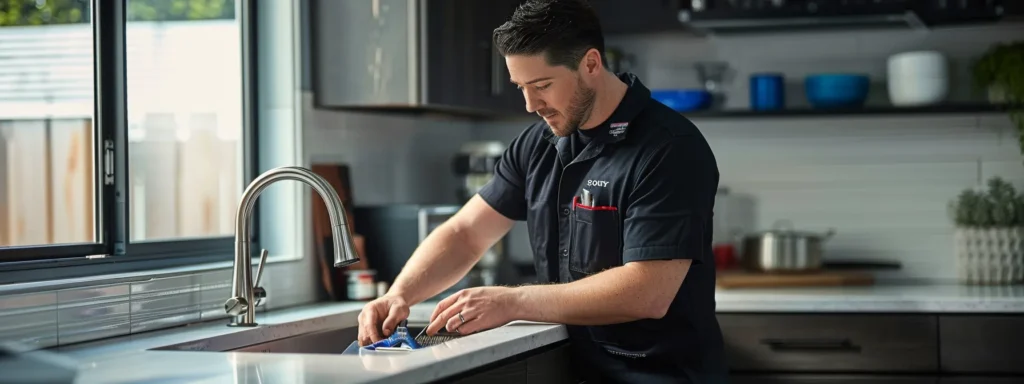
(361, 285)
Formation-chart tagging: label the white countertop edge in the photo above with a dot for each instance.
(882, 307)
(104, 361)
(920, 298)
(98, 360)
(469, 359)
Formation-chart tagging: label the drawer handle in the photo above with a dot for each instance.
(816, 345)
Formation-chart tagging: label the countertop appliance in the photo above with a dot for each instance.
(474, 164)
(744, 16)
(394, 231)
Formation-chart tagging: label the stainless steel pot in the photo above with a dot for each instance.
(784, 249)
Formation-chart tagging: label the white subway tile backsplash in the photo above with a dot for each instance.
(73, 297)
(99, 310)
(89, 322)
(215, 290)
(29, 319)
(883, 183)
(158, 303)
(90, 312)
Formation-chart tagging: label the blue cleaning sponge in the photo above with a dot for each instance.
(399, 340)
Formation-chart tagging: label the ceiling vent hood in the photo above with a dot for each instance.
(751, 16)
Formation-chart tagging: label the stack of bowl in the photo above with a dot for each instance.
(917, 78)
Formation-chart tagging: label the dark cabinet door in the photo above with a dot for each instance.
(503, 96)
(455, 55)
(989, 344)
(464, 67)
(638, 16)
(981, 380)
(830, 343)
(830, 379)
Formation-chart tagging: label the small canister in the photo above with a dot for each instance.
(767, 92)
(361, 285)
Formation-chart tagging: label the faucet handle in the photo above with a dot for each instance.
(258, 295)
(259, 270)
(236, 305)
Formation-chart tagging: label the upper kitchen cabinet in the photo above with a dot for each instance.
(638, 16)
(411, 55)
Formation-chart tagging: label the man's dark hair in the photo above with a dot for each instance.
(564, 30)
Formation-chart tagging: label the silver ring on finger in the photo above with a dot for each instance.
(461, 319)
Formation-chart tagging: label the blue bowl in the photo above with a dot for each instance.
(682, 100)
(836, 90)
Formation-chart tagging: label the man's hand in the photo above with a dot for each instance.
(482, 308)
(380, 317)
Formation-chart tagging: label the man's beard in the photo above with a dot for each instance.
(580, 107)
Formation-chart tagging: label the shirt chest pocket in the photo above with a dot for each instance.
(596, 239)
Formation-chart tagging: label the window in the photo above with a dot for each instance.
(184, 62)
(156, 91)
(47, 131)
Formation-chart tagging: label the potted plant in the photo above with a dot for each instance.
(989, 237)
(999, 72)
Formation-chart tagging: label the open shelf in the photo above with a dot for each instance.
(951, 108)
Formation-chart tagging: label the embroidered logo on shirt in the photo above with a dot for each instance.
(618, 128)
(597, 183)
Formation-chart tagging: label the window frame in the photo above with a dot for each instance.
(113, 252)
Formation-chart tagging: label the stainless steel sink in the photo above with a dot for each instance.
(330, 341)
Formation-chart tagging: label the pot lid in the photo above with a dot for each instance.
(785, 228)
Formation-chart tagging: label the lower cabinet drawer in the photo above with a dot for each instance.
(830, 343)
(981, 380)
(830, 379)
(989, 344)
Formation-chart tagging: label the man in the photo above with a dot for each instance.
(617, 191)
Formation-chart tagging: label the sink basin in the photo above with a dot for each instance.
(329, 341)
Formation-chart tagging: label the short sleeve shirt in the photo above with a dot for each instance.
(652, 177)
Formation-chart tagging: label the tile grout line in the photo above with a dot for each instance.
(131, 305)
(56, 316)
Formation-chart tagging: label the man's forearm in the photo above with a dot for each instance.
(618, 295)
(443, 258)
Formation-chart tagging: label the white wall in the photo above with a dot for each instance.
(391, 158)
(882, 182)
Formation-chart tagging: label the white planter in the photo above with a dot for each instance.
(996, 94)
(990, 255)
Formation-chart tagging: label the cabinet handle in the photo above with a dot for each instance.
(816, 345)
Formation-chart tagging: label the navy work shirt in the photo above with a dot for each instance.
(653, 178)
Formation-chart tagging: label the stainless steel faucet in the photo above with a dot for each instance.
(244, 291)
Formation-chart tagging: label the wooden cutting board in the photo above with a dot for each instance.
(742, 279)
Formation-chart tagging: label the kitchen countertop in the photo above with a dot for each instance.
(106, 361)
(130, 359)
(926, 298)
